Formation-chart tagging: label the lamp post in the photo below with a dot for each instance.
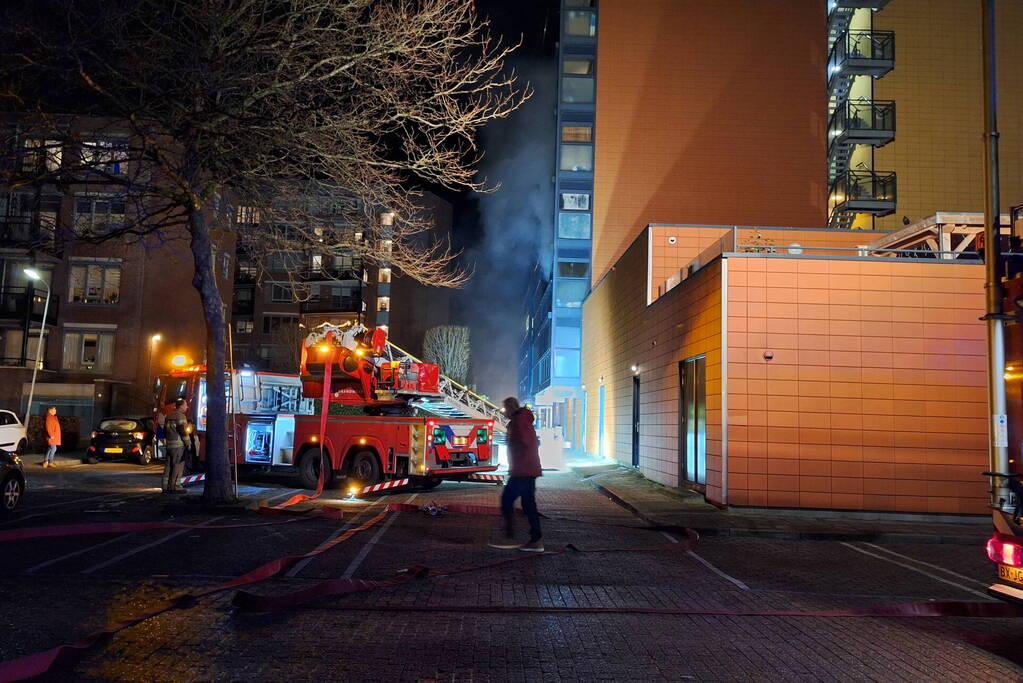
(34, 275)
(153, 340)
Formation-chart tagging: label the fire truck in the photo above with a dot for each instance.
(382, 434)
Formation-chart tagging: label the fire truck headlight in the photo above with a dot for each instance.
(422, 467)
(139, 435)
(324, 348)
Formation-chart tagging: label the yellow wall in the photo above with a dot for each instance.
(938, 151)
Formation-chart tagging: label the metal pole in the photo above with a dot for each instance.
(39, 351)
(235, 448)
(999, 450)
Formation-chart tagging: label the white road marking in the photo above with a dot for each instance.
(299, 566)
(286, 494)
(727, 577)
(147, 546)
(373, 541)
(918, 571)
(982, 584)
(43, 565)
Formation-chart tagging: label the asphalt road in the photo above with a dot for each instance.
(456, 627)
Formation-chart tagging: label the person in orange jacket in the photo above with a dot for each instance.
(52, 435)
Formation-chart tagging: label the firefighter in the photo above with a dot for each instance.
(175, 430)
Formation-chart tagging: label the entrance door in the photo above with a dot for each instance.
(692, 423)
(635, 420)
(600, 422)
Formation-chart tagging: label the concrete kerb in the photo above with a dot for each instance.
(789, 525)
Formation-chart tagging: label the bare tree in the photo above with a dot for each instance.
(286, 348)
(448, 346)
(255, 115)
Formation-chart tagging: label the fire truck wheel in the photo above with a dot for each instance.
(309, 469)
(365, 468)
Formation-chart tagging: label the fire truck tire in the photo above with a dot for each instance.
(365, 468)
(309, 469)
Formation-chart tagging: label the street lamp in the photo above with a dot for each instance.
(152, 346)
(34, 275)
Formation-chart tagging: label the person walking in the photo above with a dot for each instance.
(523, 469)
(52, 436)
(175, 427)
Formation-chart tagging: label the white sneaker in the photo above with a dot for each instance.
(507, 545)
(532, 547)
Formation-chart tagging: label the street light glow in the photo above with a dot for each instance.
(33, 274)
(155, 338)
(178, 360)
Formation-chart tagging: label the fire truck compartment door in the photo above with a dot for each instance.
(259, 437)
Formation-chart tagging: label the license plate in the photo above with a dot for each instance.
(1013, 574)
(117, 449)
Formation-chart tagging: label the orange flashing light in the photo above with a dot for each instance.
(314, 439)
(324, 348)
(362, 442)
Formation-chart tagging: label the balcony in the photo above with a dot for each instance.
(862, 122)
(861, 53)
(331, 273)
(15, 305)
(332, 304)
(872, 192)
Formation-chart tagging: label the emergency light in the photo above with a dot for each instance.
(481, 435)
(438, 435)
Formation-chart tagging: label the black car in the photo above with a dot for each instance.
(123, 436)
(12, 481)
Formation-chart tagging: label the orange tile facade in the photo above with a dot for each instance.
(852, 383)
(707, 112)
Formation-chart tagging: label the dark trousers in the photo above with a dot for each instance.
(524, 488)
(173, 467)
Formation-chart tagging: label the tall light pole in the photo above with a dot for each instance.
(34, 275)
(153, 341)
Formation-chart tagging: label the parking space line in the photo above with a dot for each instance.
(727, 577)
(915, 569)
(301, 564)
(982, 584)
(68, 556)
(147, 546)
(373, 541)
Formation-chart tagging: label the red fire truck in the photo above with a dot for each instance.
(382, 438)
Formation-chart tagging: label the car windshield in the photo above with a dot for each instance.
(118, 425)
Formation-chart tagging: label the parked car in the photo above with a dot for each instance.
(123, 436)
(12, 481)
(12, 433)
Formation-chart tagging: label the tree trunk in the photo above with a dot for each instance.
(217, 487)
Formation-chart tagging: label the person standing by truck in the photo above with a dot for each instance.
(175, 432)
(52, 436)
(523, 469)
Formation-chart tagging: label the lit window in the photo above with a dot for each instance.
(577, 90)
(574, 226)
(572, 268)
(568, 337)
(88, 351)
(570, 293)
(580, 23)
(577, 133)
(386, 246)
(105, 156)
(383, 303)
(94, 284)
(247, 215)
(39, 151)
(317, 262)
(384, 275)
(566, 363)
(243, 326)
(575, 201)
(578, 67)
(576, 158)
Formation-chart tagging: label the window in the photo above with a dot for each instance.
(272, 323)
(578, 3)
(383, 303)
(317, 263)
(577, 90)
(94, 284)
(243, 294)
(577, 133)
(566, 363)
(575, 201)
(570, 293)
(577, 157)
(384, 275)
(569, 337)
(574, 226)
(243, 326)
(106, 156)
(572, 269)
(580, 23)
(88, 351)
(386, 246)
(247, 215)
(49, 209)
(225, 264)
(281, 294)
(577, 67)
(93, 213)
(39, 151)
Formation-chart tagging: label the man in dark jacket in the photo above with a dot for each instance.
(523, 469)
(175, 432)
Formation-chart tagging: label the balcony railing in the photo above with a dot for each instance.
(332, 304)
(871, 192)
(863, 122)
(330, 273)
(862, 53)
(15, 304)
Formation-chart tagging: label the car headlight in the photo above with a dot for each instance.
(139, 435)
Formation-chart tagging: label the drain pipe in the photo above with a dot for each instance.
(995, 316)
